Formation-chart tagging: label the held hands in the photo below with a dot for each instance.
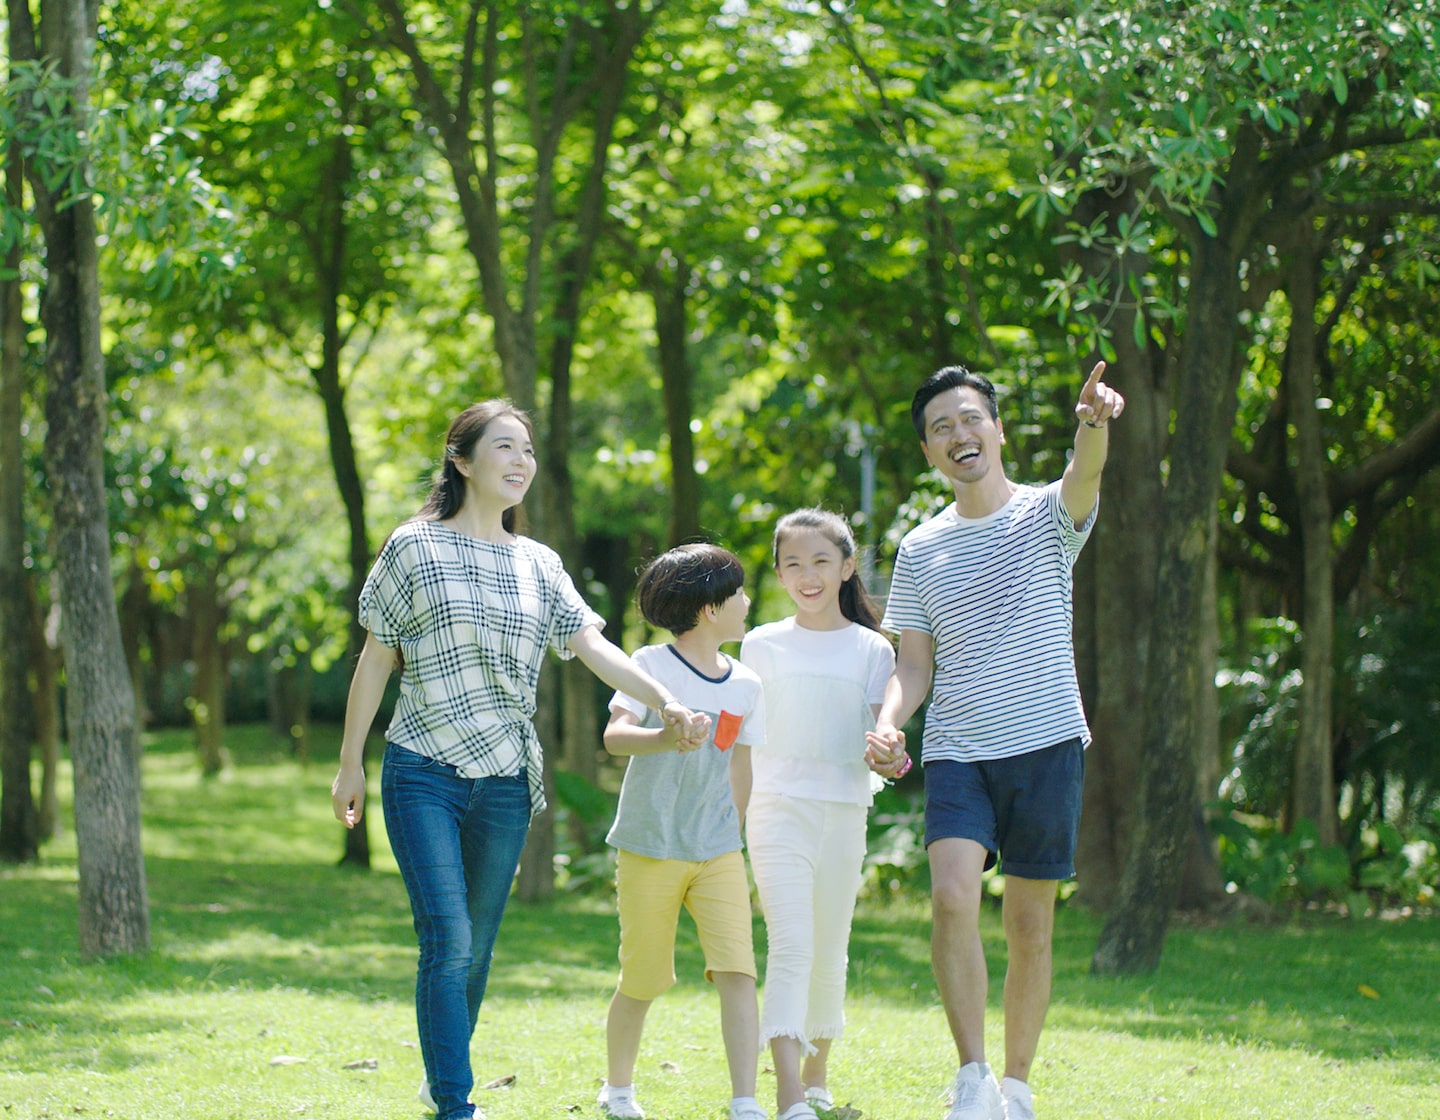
(690, 730)
(1099, 404)
(885, 752)
(347, 795)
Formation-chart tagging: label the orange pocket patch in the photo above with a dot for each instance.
(726, 728)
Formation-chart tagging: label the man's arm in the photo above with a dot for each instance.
(1098, 405)
(908, 686)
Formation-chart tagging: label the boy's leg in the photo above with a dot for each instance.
(719, 901)
(648, 898)
(623, 1027)
(740, 1026)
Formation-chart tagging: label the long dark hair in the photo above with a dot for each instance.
(855, 601)
(447, 493)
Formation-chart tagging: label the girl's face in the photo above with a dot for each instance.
(501, 466)
(811, 569)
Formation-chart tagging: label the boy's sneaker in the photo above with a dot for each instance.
(747, 1108)
(819, 1098)
(1018, 1102)
(619, 1103)
(800, 1110)
(975, 1095)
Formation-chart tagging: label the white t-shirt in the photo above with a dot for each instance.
(820, 686)
(995, 594)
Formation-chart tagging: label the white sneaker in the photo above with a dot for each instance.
(975, 1095)
(619, 1103)
(800, 1110)
(819, 1098)
(1018, 1102)
(747, 1108)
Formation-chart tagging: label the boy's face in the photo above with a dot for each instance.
(730, 616)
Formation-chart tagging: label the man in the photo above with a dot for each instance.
(981, 598)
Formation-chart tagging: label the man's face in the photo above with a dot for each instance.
(962, 440)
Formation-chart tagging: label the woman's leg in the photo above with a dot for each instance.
(425, 802)
(492, 835)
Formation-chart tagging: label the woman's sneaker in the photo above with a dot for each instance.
(429, 1101)
(619, 1103)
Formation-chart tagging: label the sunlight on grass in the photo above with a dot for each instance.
(273, 970)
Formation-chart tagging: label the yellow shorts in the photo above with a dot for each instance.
(650, 894)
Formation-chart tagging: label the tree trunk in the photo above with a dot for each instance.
(114, 909)
(44, 708)
(1312, 784)
(134, 609)
(1205, 402)
(1111, 640)
(19, 820)
(330, 264)
(207, 694)
(289, 702)
(669, 281)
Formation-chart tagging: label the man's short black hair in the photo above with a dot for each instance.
(942, 380)
(677, 585)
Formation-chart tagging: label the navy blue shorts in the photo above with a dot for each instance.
(1025, 808)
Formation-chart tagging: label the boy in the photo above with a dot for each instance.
(677, 829)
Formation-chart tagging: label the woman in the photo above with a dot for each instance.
(467, 608)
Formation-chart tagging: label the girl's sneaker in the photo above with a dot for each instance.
(800, 1110)
(819, 1098)
(619, 1103)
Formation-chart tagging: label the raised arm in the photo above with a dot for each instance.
(1098, 405)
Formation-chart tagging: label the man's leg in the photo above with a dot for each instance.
(1029, 931)
(956, 952)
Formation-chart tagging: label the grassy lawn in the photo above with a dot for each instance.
(281, 986)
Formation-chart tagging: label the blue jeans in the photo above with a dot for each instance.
(457, 841)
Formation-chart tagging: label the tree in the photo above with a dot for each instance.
(114, 907)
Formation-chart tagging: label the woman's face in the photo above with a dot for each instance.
(501, 466)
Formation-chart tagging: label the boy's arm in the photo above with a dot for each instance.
(625, 736)
(740, 778)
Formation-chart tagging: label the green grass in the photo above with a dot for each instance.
(263, 948)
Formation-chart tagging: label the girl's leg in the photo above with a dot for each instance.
(838, 871)
(784, 840)
(492, 835)
(813, 1074)
(424, 803)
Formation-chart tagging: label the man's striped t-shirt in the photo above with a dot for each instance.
(995, 594)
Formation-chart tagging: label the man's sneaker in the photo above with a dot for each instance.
(975, 1095)
(747, 1108)
(1018, 1103)
(819, 1098)
(619, 1103)
(800, 1110)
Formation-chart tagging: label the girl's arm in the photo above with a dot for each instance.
(608, 662)
(741, 776)
(367, 689)
(625, 736)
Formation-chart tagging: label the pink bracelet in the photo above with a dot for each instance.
(905, 768)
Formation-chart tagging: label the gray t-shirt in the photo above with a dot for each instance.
(680, 806)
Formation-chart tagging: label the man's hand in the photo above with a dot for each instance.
(1099, 404)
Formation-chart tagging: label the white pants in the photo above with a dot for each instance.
(807, 857)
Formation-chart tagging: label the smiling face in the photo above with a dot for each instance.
(502, 465)
(962, 440)
(811, 568)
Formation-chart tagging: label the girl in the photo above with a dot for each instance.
(467, 609)
(824, 671)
